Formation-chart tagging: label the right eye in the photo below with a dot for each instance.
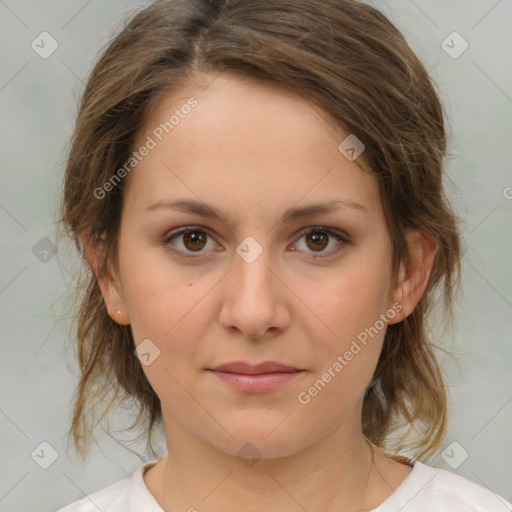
(193, 240)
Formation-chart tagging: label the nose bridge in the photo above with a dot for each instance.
(253, 279)
(252, 303)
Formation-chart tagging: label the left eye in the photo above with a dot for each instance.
(318, 239)
(194, 240)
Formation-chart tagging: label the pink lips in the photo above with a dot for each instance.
(260, 378)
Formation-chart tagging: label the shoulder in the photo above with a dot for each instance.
(110, 499)
(121, 496)
(437, 490)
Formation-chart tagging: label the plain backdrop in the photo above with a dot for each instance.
(38, 99)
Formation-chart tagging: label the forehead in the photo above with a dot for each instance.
(244, 143)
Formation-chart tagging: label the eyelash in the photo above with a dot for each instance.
(338, 235)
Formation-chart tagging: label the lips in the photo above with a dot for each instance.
(248, 369)
(261, 378)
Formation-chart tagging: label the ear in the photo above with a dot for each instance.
(413, 281)
(109, 285)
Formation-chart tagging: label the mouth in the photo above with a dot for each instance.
(264, 377)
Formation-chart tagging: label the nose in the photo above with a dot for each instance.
(254, 303)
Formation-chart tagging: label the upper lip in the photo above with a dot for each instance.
(248, 369)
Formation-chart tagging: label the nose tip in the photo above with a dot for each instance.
(253, 303)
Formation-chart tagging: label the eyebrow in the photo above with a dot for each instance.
(209, 211)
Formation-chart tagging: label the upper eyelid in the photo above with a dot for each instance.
(318, 227)
(341, 235)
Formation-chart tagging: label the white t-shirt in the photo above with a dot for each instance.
(425, 489)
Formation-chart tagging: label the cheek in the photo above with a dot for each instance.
(348, 328)
(174, 316)
(346, 355)
(349, 299)
(159, 294)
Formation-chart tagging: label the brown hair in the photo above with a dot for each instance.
(350, 60)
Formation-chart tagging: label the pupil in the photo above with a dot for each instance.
(318, 238)
(194, 238)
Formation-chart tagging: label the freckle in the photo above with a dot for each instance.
(190, 284)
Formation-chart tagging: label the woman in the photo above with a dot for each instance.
(258, 189)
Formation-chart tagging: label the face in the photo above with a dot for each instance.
(246, 271)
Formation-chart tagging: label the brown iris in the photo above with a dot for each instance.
(318, 239)
(196, 239)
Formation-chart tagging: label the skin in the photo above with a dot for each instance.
(252, 151)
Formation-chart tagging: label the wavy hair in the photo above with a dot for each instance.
(351, 61)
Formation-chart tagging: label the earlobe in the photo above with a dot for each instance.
(121, 317)
(413, 281)
(110, 288)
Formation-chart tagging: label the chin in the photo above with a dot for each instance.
(261, 442)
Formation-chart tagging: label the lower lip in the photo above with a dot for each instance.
(256, 383)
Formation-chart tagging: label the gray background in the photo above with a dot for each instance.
(38, 370)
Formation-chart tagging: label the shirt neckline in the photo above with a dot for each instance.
(402, 490)
(140, 496)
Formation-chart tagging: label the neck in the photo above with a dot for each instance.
(339, 473)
